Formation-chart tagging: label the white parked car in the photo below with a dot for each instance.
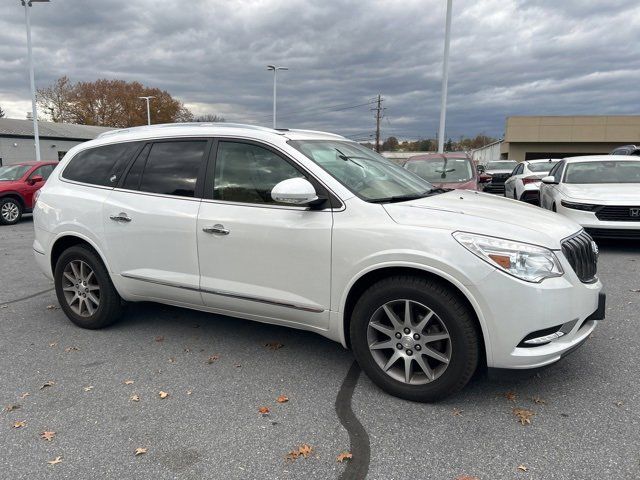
(313, 231)
(524, 182)
(600, 192)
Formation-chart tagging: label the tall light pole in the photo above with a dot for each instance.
(34, 112)
(275, 79)
(445, 79)
(148, 109)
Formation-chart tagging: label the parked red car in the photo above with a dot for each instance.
(445, 170)
(18, 184)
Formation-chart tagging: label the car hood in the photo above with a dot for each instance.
(605, 193)
(482, 213)
(466, 185)
(493, 172)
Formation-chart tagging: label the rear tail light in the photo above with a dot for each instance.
(528, 180)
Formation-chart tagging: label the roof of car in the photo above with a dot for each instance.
(543, 160)
(215, 128)
(600, 158)
(33, 163)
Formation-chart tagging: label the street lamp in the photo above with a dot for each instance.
(34, 112)
(275, 77)
(445, 78)
(148, 110)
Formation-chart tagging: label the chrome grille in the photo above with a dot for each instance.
(582, 254)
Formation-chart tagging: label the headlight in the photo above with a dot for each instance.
(526, 262)
(579, 206)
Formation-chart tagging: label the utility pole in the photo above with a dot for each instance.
(445, 78)
(379, 116)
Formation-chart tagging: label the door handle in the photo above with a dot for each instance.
(216, 229)
(121, 217)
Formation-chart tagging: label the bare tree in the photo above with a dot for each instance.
(1, 113)
(209, 117)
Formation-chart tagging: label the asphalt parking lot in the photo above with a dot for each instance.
(218, 372)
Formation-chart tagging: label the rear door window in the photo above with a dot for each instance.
(101, 165)
(173, 167)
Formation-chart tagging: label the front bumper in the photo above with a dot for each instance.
(513, 309)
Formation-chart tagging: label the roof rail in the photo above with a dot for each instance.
(319, 132)
(187, 124)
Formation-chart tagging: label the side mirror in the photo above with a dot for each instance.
(480, 169)
(35, 179)
(294, 191)
(549, 180)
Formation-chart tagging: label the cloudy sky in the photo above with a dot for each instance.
(508, 57)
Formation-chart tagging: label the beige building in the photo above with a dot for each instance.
(531, 137)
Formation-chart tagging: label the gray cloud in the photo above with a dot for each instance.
(508, 57)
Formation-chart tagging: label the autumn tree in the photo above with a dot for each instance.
(390, 144)
(209, 117)
(109, 103)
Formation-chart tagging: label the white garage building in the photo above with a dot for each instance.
(17, 139)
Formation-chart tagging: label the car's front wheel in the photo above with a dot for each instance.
(10, 211)
(415, 338)
(84, 289)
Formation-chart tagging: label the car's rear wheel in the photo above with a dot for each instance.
(415, 338)
(84, 289)
(10, 211)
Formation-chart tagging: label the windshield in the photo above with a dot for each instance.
(365, 173)
(541, 166)
(442, 170)
(13, 172)
(506, 165)
(603, 172)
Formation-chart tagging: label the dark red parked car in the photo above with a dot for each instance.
(445, 170)
(18, 184)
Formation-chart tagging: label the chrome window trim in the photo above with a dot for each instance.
(223, 293)
(161, 195)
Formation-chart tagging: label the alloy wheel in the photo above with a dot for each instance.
(409, 342)
(80, 287)
(10, 212)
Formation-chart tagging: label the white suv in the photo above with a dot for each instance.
(313, 231)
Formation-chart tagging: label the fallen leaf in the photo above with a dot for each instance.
(48, 436)
(172, 359)
(88, 388)
(524, 415)
(539, 401)
(55, 461)
(140, 451)
(511, 396)
(457, 412)
(303, 450)
(212, 359)
(159, 338)
(273, 345)
(50, 383)
(52, 307)
(264, 410)
(4, 306)
(282, 399)
(237, 365)
(135, 397)
(11, 408)
(189, 392)
(53, 344)
(186, 350)
(618, 404)
(635, 290)
(19, 424)
(128, 382)
(163, 394)
(25, 395)
(523, 468)
(344, 456)
(71, 349)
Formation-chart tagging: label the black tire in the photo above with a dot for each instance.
(110, 305)
(14, 205)
(454, 314)
(553, 208)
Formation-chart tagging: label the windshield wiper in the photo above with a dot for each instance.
(410, 196)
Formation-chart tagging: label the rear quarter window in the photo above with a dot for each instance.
(101, 165)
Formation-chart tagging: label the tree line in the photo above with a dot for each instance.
(392, 144)
(112, 103)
